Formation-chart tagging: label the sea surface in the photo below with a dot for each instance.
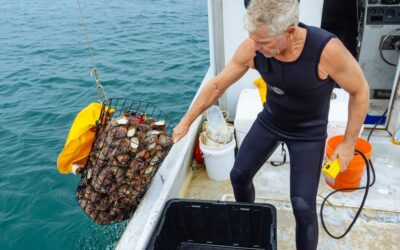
(155, 51)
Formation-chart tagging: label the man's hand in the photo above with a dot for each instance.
(180, 131)
(344, 152)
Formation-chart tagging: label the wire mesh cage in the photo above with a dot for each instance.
(132, 139)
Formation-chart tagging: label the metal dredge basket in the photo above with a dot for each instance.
(132, 139)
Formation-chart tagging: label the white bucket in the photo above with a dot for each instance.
(218, 160)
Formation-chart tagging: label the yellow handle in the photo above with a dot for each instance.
(331, 169)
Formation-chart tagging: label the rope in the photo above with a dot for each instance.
(94, 72)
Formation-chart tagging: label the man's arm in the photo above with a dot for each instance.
(232, 72)
(345, 70)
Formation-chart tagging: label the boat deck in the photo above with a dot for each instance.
(378, 226)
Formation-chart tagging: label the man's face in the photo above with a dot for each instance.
(267, 44)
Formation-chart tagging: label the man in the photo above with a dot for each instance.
(301, 65)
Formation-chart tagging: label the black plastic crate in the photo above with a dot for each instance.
(196, 224)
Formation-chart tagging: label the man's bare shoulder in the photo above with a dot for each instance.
(245, 53)
(335, 56)
(334, 50)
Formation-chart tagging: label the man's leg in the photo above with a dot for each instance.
(257, 146)
(305, 169)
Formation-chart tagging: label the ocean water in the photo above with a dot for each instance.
(155, 51)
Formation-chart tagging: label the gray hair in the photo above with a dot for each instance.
(275, 15)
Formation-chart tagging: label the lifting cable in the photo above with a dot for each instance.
(94, 72)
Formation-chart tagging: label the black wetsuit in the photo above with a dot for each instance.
(296, 113)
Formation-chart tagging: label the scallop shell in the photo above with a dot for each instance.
(134, 144)
(143, 127)
(159, 125)
(123, 145)
(141, 135)
(144, 154)
(118, 132)
(131, 132)
(154, 160)
(149, 140)
(165, 141)
(153, 132)
(83, 202)
(136, 165)
(89, 209)
(120, 173)
(149, 169)
(149, 121)
(151, 146)
(122, 121)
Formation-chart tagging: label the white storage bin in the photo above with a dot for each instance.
(338, 113)
(248, 106)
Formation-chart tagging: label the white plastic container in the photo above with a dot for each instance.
(338, 113)
(218, 160)
(248, 106)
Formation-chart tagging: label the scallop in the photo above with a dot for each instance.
(153, 132)
(131, 132)
(159, 125)
(154, 160)
(122, 121)
(134, 144)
